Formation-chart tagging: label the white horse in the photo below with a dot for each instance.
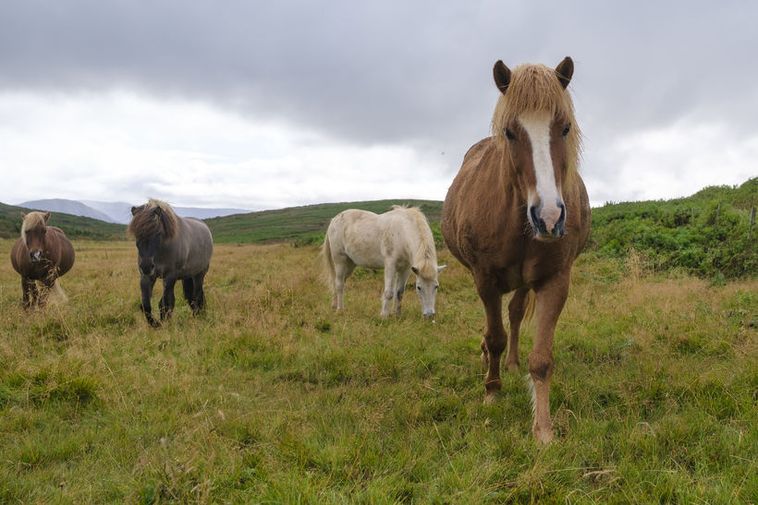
(400, 241)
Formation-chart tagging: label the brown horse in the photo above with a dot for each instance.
(517, 216)
(43, 253)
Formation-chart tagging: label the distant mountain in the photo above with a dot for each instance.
(73, 207)
(120, 212)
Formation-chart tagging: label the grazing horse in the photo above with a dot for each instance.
(517, 216)
(171, 248)
(400, 241)
(43, 253)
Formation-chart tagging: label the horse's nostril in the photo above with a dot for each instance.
(537, 221)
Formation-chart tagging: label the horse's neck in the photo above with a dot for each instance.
(417, 245)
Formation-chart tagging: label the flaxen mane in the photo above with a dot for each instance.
(534, 88)
(155, 217)
(31, 221)
(425, 257)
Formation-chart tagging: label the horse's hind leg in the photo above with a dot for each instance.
(198, 294)
(516, 311)
(168, 300)
(343, 267)
(188, 290)
(494, 339)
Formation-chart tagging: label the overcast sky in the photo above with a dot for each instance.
(269, 104)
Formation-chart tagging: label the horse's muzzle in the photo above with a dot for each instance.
(35, 256)
(429, 316)
(540, 227)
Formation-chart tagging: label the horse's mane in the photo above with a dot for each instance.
(32, 220)
(425, 257)
(153, 218)
(535, 88)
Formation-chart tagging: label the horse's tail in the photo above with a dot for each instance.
(60, 295)
(531, 300)
(326, 255)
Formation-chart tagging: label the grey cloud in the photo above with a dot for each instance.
(393, 71)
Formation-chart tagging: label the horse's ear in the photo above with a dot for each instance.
(157, 211)
(135, 210)
(414, 270)
(564, 71)
(502, 76)
(46, 216)
(440, 268)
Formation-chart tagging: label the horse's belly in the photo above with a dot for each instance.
(365, 258)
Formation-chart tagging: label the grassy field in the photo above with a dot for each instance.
(272, 398)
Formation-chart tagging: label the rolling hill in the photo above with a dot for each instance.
(301, 224)
(706, 234)
(76, 227)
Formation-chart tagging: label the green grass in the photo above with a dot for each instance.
(270, 397)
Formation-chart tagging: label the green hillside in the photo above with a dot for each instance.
(76, 227)
(707, 234)
(300, 225)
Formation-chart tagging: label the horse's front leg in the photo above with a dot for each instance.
(516, 311)
(551, 296)
(493, 344)
(146, 287)
(402, 280)
(168, 300)
(389, 287)
(28, 292)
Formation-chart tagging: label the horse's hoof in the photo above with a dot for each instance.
(513, 368)
(490, 397)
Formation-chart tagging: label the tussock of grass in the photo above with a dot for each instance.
(270, 397)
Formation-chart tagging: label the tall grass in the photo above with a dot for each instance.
(270, 397)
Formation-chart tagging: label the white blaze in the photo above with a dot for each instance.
(537, 127)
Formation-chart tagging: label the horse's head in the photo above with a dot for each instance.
(535, 122)
(151, 224)
(33, 232)
(426, 287)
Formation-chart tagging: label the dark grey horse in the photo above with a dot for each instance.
(171, 248)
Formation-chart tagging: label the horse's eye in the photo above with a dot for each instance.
(436, 287)
(509, 134)
(566, 130)
(418, 287)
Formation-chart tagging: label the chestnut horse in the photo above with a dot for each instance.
(43, 253)
(517, 216)
(171, 248)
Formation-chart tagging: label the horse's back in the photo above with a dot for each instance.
(198, 239)
(20, 257)
(356, 234)
(64, 249)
